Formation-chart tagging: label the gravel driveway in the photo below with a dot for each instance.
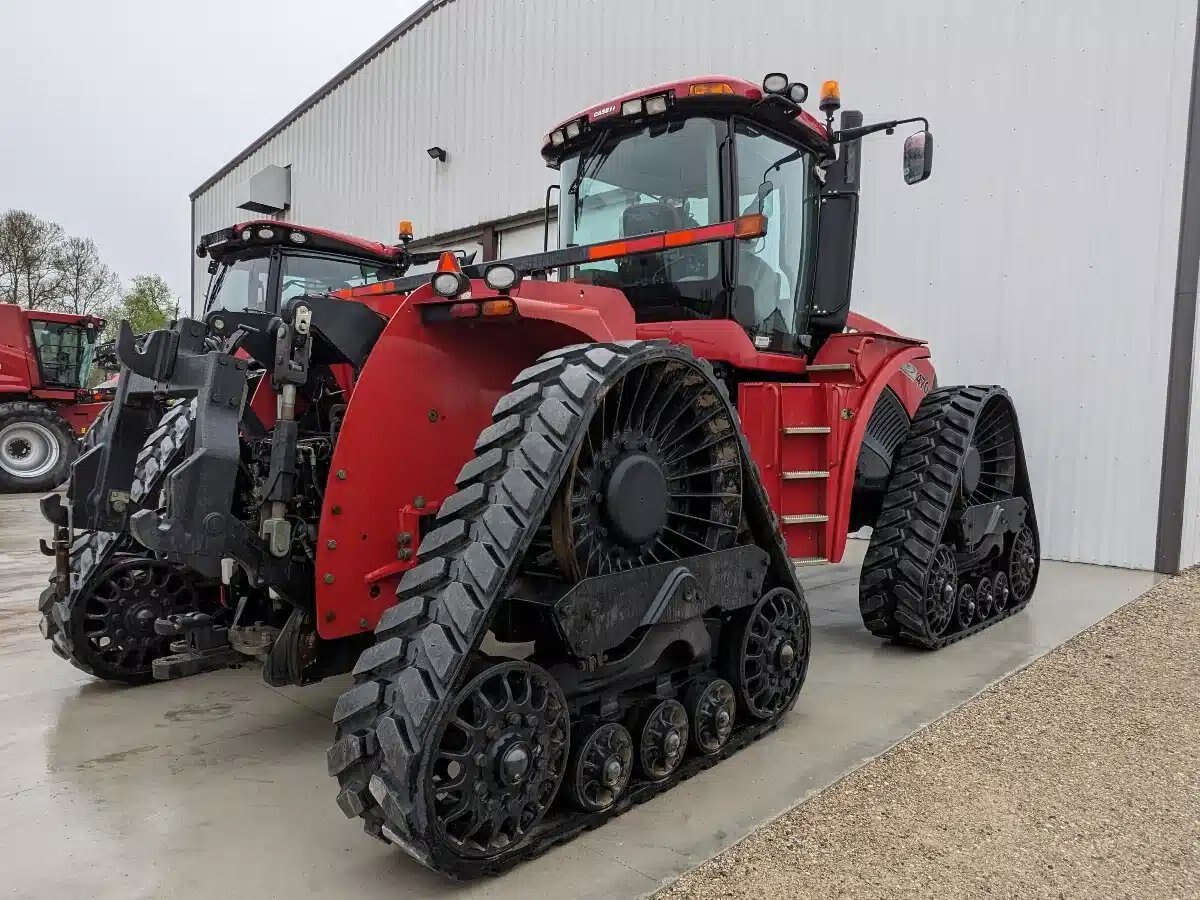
(1075, 778)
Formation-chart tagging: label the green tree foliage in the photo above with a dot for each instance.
(147, 305)
(41, 267)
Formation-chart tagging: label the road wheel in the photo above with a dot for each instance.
(36, 447)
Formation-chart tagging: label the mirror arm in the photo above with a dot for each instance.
(853, 134)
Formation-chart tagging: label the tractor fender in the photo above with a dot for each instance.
(880, 360)
(418, 406)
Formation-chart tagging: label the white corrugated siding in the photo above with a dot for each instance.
(1040, 256)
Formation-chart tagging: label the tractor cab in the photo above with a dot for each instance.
(65, 346)
(680, 157)
(256, 267)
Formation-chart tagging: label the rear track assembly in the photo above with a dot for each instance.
(412, 731)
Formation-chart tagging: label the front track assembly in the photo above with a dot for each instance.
(955, 548)
(472, 763)
(100, 613)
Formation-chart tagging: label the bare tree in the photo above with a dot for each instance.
(28, 246)
(85, 285)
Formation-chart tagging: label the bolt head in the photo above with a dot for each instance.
(332, 545)
(328, 578)
(341, 474)
(362, 623)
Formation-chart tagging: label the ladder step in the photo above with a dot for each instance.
(795, 476)
(805, 518)
(807, 429)
(809, 560)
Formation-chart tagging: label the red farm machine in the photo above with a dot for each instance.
(45, 401)
(548, 510)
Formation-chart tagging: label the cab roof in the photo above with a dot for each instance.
(229, 240)
(736, 93)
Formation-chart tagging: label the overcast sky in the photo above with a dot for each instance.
(113, 111)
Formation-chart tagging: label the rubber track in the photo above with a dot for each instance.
(91, 550)
(425, 643)
(916, 511)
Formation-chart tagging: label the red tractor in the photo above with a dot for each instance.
(548, 510)
(108, 591)
(45, 402)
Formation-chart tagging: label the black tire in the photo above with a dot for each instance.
(37, 447)
(93, 552)
(923, 490)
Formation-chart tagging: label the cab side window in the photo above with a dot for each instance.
(773, 178)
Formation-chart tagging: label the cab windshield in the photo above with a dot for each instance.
(244, 284)
(657, 179)
(669, 177)
(64, 353)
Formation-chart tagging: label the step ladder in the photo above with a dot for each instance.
(804, 471)
(796, 451)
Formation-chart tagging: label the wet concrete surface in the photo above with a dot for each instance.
(216, 785)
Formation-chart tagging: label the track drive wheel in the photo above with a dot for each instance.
(766, 653)
(601, 764)
(496, 761)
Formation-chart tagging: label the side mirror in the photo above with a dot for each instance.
(918, 157)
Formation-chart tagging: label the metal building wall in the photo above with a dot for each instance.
(1041, 255)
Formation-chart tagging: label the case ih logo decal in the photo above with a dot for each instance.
(916, 377)
(604, 111)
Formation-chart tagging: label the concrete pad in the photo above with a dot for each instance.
(217, 783)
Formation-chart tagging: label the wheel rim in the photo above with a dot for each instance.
(940, 590)
(990, 465)
(602, 766)
(656, 478)
(712, 709)
(498, 759)
(118, 614)
(772, 653)
(1022, 566)
(1000, 592)
(985, 599)
(965, 607)
(28, 450)
(662, 740)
